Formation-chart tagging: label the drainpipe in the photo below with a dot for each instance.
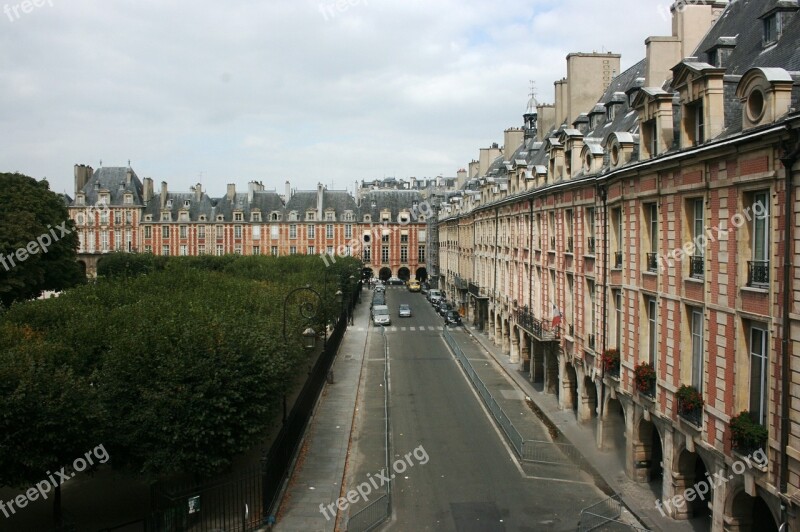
(530, 263)
(601, 189)
(791, 151)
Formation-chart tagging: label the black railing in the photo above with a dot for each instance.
(697, 265)
(570, 245)
(590, 245)
(693, 416)
(613, 371)
(651, 390)
(757, 273)
(539, 328)
(618, 260)
(591, 342)
(652, 262)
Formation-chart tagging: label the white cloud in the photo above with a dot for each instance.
(283, 89)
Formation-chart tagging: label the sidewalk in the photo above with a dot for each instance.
(639, 499)
(318, 472)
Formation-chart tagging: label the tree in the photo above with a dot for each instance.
(38, 244)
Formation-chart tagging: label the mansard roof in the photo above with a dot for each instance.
(113, 180)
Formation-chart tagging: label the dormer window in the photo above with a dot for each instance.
(696, 123)
(148, 218)
(187, 204)
(166, 217)
(184, 216)
(766, 95)
(169, 204)
(128, 199)
(255, 217)
(220, 218)
(293, 216)
(772, 28)
(80, 199)
(275, 216)
(367, 218)
(311, 216)
(202, 217)
(330, 216)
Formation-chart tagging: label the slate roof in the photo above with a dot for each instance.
(306, 200)
(394, 200)
(114, 181)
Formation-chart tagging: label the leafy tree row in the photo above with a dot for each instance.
(175, 365)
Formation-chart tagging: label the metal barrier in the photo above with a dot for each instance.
(605, 514)
(379, 510)
(535, 451)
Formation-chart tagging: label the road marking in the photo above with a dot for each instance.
(413, 328)
(394, 329)
(431, 328)
(403, 329)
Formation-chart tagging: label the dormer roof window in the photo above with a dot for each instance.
(774, 20)
(186, 204)
(169, 204)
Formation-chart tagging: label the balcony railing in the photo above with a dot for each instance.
(618, 260)
(697, 265)
(652, 262)
(758, 273)
(590, 245)
(539, 328)
(694, 416)
(570, 245)
(590, 341)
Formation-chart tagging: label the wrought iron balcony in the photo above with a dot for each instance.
(618, 260)
(539, 328)
(697, 265)
(570, 245)
(652, 262)
(693, 416)
(758, 273)
(590, 245)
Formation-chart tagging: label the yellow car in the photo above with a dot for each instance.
(413, 286)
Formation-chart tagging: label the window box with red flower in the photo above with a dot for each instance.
(611, 362)
(690, 405)
(644, 379)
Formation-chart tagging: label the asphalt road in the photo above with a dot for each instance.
(469, 480)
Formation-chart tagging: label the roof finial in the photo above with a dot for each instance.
(129, 163)
(101, 163)
(533, 89)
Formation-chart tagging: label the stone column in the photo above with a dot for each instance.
(514, 356)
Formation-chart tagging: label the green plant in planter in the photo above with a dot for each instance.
(689, 399)
(746, 433)
(611, 359)
(644, 377)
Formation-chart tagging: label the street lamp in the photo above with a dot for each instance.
(308, 311)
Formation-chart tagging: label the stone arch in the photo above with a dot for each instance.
(648, 456)
(614, 425)
(515, 344)
(745, 513)
(569, 388)
(587, 410)
(422, 274)
(404, 273)
(367, 273)
(385, 273)
(689, 469)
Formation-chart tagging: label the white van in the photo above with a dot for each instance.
(380, 315)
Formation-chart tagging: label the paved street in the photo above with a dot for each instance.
(471, 479)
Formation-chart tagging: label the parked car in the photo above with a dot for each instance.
(404, 311)
(434, 295)
(380, 315)
(395, 281)
(379, 299)
(424, 287)
(452, 317)
(413, 286)
(443, 307)
(380, 288)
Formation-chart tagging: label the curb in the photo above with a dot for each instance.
(600, 480)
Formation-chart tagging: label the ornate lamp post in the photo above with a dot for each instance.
(308, 310)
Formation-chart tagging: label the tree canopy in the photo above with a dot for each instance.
(36, 253)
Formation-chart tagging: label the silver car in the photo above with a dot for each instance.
(404, 311)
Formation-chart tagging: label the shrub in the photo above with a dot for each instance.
(746, 433)
(611, 359)
(644, 377)
(689, 399)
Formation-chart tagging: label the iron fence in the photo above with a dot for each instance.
(535, 451)
(606, 515)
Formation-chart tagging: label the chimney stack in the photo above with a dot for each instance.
(320, 202)
(147, 189)
(198, 192)
(163, 194)
(288, 193)
(83, 174)
(231, 195)
(128, 176)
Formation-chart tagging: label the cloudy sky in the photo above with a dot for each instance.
(270, 90)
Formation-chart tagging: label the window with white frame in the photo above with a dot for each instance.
(164, 231)
(274, 232)
(329, 231)
(165, 250)
(696, 319)
(237, 231)
(348, 231)
(759, 372)
(652, 330)
(292, 231)
(311, 231)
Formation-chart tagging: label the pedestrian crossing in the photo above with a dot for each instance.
(420, 328)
